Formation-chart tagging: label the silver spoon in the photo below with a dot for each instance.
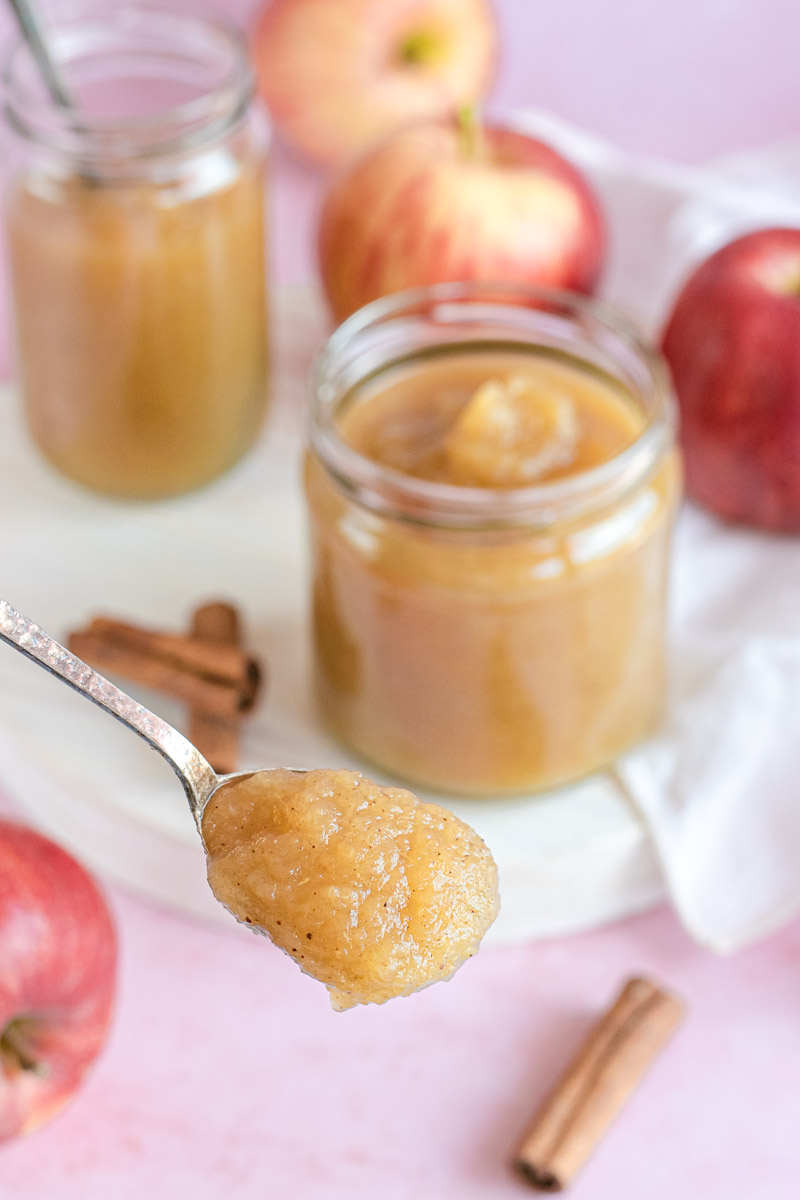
(33, 30)
(199, 779)
(35, 34)
(200, 783)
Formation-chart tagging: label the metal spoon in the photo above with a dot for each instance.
(199, 779)
(347, 982)
(34, 31)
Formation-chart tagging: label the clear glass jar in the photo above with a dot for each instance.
(482, 640)
(136, 241)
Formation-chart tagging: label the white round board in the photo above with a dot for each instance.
(567, 861)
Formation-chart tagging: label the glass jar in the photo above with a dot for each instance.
(136, 239)
(481, 640)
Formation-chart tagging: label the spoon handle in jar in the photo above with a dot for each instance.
(35, 34)
(33, 30)
(196, 775)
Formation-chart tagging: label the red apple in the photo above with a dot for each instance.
(440, 202)
(57, 969)
(338, 74)
(733, 344)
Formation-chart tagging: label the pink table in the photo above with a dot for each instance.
(228, 1075)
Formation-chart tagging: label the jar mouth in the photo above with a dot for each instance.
(456, 314)
(145, 83)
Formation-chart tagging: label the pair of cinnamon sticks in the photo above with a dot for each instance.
(208, 669)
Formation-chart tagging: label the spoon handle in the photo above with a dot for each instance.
(33, 31)
(196, 775)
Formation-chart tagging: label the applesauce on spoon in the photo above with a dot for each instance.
(369, 890)
(394, 894)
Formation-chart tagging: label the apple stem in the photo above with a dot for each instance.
(17, 1051)
(470, 125)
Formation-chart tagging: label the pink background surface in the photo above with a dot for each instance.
(228, 1075)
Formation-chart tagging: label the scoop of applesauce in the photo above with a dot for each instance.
(510, 433)
(371, 891)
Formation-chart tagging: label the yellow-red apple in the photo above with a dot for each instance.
(57, 971)
(440, 201)
(338, 74)
(733, 344)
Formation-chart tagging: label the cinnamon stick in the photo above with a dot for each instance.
(216, 737)
(600, 1080)
(221, 679)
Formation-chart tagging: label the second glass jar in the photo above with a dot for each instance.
(136, 240)
(488, 640)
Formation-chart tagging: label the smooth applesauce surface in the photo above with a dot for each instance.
(491, 660)
(370, 891)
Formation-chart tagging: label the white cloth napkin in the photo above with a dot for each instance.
(719, 788)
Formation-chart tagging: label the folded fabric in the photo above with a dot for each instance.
(719, 787)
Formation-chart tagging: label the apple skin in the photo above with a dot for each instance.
(57, 973)
(435, 203)
(733, 346)
(339, 74)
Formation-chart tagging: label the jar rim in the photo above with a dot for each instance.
(84, 31)
(419, 501)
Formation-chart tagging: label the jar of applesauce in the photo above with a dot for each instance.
(492, 481)
(136, 238)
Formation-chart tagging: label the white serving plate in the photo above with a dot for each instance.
(567, 861)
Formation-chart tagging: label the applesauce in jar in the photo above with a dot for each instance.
(492, 483)
(136, 246)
